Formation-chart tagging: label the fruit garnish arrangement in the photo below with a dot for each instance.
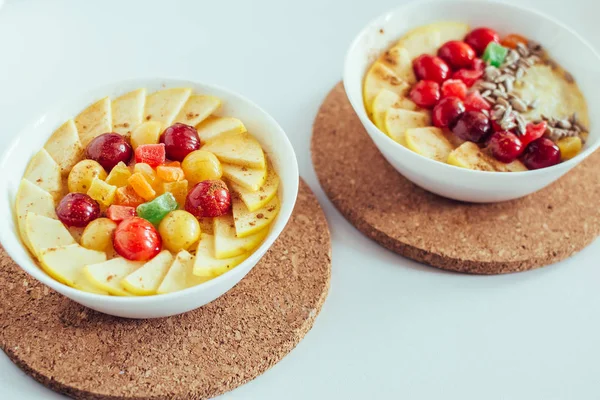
(476, 100)
(146, 194)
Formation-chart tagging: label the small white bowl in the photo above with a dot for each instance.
(31, 139)
(570, 50)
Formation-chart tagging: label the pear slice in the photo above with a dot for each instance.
(470, 156)
(247, 178)
(398, 60)
(43, 232)
(238, 149)
(164, 105)
(381, 77)
(214, 127)
(197, 109)
(65, 147)
(429, 142)
(146, 280)
(385, 100)
(207, 265)
(227, 244)
(31, 198)
(398, 121)
(82, 283)
(107, 275)
(451, 30)
(128, 111)
(180, 276)
(255, 199)
(65, 263)
(94, 121)
(43, 171)
(249, 222)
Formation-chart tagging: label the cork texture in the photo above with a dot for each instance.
(201, 354)
(519, 235)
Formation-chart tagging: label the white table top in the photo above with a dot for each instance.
(390, 327)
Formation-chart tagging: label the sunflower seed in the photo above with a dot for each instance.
(499, 93)
(521, 124)
(486, 113)
(491, 73)
(549, 130)
(512, 57)
(523, 50)
(489, 99)
(486, 93)
(488, 85)
(508, 84)
(564, 124)
(507, 114)
(502, 87)
(520, 73)
(502, 101)
(501, 78)
(518, 105)
(507, 126)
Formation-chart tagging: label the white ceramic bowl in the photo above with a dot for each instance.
(566, 46)
(30, 140)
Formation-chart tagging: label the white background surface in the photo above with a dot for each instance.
(390, 328)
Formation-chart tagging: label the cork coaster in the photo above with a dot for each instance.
(519, 235)
(197, 355)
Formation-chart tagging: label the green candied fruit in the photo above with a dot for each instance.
(154, 211)
(495, 54)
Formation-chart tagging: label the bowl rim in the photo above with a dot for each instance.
(361, 112)
(283, 217)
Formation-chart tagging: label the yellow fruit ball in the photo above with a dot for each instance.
(83, 173)
(200, 166)
(146, 133)
(179, 230)
(98, 234)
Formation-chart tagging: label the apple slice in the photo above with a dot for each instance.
(398, 60)
(385, 100)
(429, 142)
(197, 109)
(31, 198)
(249, 222)
(451, 30)
(65, 147)
(43, 232)
(128, 111)
(227, 244)
(398, 121)
(94, 121)
(209, 266)
(214, 127)
(180, 275)
(255, 199)
(248, 178)
(146, 280)
(238, 149)
(108, 275)
(65, 263)
(163, 106)
(82, 283)
(381, 77)
(43, 171)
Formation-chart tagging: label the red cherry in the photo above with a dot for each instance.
(457, 54)
(533, 132)
(108, 150)
(505, 146)
(497, 128)
(447, 111)
(468, 76)
(180, 140)
(475, 102)
(431, 68)
(541, 153)
(425, 94)
(208, 199)
(77, 209)
(473, 126)
(454, 88)
(479, 38)
(137, 239)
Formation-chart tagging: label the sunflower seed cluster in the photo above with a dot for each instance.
(561, 128)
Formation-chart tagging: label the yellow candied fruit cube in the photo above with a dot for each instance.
(569, 147)
(169, 173)
(119, 175)
(178, 189)
(146, 170)
(141, 186)
(102, 192)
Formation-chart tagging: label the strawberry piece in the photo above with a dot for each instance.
(455, 88)
(475, 102)
(533, 132)
(119, 213)
(151, 154)
(468, 76)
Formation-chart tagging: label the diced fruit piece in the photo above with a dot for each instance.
(249, 222)
(257, 199)
(227, 244)
(98, 234)
(237, 148)
(457, 54)
(147, 132)
(495, 54)
(423, 40)
(425, 94)
(108, 275)
(541, 153)
(533, 132)
(208, 199)
(180, 276)
(155, 210)
(77, 209)
(179, 230)
(505, 146)
(447, 111)
(511, 41)
(178, 189)
(201, 165)
(207, 264)
(569, 147)
(43, 232)
(94, 121)
(470, 156)
(381, 77)
(213, 127)
(169, 174)
(128, 111)
(398, 121)
(454, 88)
(431, 68)
(83, 173)
(126, 196)
(164, 105)
(44, 172)
(141, 186)
(64, 146)
(179, 141)
(249, 178)
(102, 192)
(137, 239)
(475, 102)
(468, 76)
(386, 100)
(65, 263)
(151, 154)
(119, 175)
(479, 39)
(429, 142)
(197, 109)
(31, 198)
(145, 280)
(146, 170)
(118, 213)
(473, 126)
(399, 61)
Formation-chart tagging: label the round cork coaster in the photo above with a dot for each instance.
(519, 235)
(197, 355)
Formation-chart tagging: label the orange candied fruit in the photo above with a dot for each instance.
(141, 186)
(126, 196)
(173, 164)
(512, 40)
(169, 174)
